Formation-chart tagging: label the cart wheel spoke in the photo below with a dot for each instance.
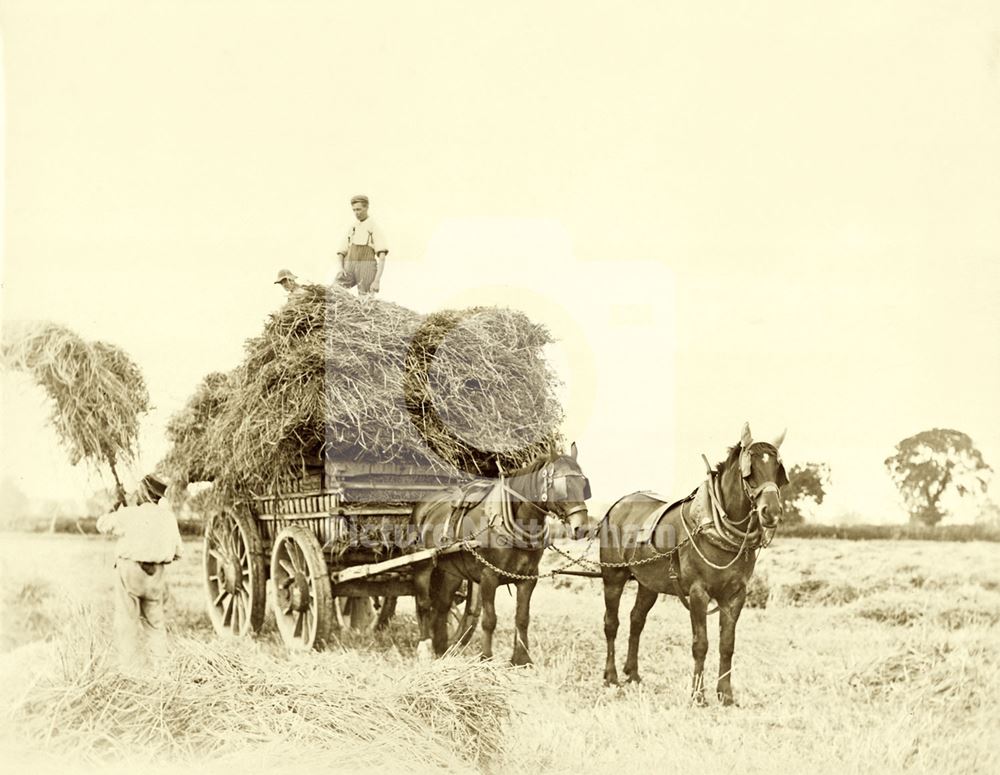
(295, 558)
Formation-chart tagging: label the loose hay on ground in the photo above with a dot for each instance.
(892, 609)
(818, 592)
(961, 675)
(210, 696)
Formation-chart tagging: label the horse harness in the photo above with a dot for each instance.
(478, 492)
(500, 517)
(738, 537)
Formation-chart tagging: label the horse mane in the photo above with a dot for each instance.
(534, 466)
(732, 457)
(733, 453)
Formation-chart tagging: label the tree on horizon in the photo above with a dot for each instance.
(930, 464)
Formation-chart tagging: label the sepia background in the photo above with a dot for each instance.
(787, 216)
(781, 213)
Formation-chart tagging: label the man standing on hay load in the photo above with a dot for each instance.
(148, 541)
(362, 255)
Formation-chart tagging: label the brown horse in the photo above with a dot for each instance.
(506, 537)
(699, 549)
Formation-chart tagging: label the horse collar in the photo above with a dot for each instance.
(508, 524)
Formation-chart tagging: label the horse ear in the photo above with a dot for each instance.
(782, 478)
(572, 450)
(746, 439)
(781, 438)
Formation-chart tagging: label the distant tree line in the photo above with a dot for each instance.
(926, 468)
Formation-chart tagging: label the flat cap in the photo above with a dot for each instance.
(285, 274)
(152, 487)
(359, 198)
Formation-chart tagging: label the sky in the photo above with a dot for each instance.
(787, 215)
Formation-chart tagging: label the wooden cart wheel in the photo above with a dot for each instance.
(464, 614)
(303, 604)
(234, 574)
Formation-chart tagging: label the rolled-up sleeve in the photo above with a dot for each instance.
(345, 244)
(379, 245)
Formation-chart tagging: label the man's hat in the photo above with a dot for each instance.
(285, 274)
(152, 488)
(359, 198)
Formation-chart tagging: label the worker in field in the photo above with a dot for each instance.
(288, 281)
(362, 254)
(148, 541)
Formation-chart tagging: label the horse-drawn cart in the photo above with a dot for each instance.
(425, 401)
(325, 544)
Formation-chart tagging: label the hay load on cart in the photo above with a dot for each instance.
(344, 413)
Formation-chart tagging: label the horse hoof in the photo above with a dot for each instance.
(727, 700)
(525, 662)
(698, 698)
(424, 651)
(633, 678)
(611, 683)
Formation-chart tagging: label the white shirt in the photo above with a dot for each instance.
(147, 533)
(366, 232)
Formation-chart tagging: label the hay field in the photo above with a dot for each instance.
(870, 656)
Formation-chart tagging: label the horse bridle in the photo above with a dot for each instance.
(549, 478)
(754, 493)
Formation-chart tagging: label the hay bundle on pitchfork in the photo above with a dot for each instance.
(97, 392)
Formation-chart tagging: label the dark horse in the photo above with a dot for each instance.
(507, 535)
(699, 549)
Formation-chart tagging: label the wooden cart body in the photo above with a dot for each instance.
(338, 532)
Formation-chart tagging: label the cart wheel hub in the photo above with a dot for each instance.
(299, 594)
